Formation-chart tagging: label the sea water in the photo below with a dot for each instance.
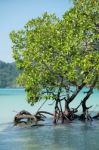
(71, 136)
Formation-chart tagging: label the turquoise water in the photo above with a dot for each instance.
(71, 136)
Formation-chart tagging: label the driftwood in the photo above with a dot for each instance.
(26, 118)
(44, 112)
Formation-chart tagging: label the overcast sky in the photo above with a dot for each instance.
(14, 14)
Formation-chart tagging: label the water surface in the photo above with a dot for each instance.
(71, 136)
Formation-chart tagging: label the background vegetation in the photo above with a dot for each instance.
(8, 74)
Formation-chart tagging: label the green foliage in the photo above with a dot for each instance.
(81, 34)
(56, 52)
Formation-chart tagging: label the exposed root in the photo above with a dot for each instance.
(96, 116)
(25, 118)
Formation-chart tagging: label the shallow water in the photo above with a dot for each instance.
(71, 136)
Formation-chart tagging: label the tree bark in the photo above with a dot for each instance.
(70, 113)
(85, 114)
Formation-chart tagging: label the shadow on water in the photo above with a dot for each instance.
(71, 136)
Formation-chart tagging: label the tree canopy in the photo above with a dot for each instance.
(57, 53)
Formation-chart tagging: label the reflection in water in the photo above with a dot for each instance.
(74, 136)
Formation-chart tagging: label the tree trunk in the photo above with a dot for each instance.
(85, 114)
(79, 88)
(70, 113)
(56, 114)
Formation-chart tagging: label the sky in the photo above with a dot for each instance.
(14, 14)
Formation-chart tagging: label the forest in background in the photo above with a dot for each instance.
(8, 74)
